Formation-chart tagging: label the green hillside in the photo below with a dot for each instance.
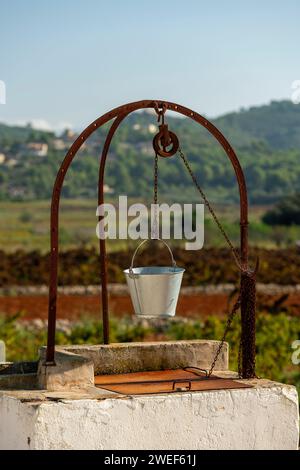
(266, 138)
(276, 124)
(11, 135)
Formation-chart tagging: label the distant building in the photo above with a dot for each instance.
(68, 137)
(107, 189)
(60, 144)
(68, 134)
(11, 162)
(2, 158)
(39, 149)
(152, 128)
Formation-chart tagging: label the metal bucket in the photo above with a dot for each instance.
(154, 290)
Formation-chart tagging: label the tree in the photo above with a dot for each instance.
(286, 212)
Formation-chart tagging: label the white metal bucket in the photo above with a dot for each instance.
(154, 290)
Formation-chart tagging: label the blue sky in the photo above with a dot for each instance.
(69, 61)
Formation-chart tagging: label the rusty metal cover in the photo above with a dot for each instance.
(165, 381)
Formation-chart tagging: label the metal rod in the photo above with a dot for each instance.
(102, 242)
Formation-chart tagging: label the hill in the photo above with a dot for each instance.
(266, 138)
(276, 124)
(11, 135)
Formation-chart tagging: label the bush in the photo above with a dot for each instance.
(286, 212)
(208, 266)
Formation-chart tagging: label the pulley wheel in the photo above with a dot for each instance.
(164, 151)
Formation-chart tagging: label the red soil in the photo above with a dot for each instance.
(74, 306)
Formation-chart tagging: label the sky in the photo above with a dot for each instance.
(66, 62)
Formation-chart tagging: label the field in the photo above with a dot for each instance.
(208, 266)
(25, 225)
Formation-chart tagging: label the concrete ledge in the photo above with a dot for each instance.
(18, 375)
(262, 417)
(18, 382)
(136, 357)
(76, 366)
(71, 371)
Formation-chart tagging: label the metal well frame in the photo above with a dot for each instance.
(117, 115)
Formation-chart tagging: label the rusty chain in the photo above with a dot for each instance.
(227, 327)
(155, 227)
(206, 202)
(155, 195)
(237, 259)
(249, 275)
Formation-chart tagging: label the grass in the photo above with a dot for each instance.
(25, 225)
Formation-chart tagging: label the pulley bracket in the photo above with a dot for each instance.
(165, 142)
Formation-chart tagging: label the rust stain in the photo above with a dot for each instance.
(165, 381)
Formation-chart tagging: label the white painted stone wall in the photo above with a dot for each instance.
(264, 417)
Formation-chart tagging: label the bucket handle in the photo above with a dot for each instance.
(145, 241)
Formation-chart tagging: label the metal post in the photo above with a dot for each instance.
(102, 244)
(248, 301)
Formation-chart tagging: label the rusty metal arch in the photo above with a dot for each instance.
(117, 115)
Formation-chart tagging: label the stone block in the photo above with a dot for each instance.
(120, 358)
(70, 371)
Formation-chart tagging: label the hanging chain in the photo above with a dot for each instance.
(237, 259)
(230, 318)
(236, 256)
(155, 197)
(155, 227)
(233, 250)
(227, 327)
(245, 287)
(240, 372)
